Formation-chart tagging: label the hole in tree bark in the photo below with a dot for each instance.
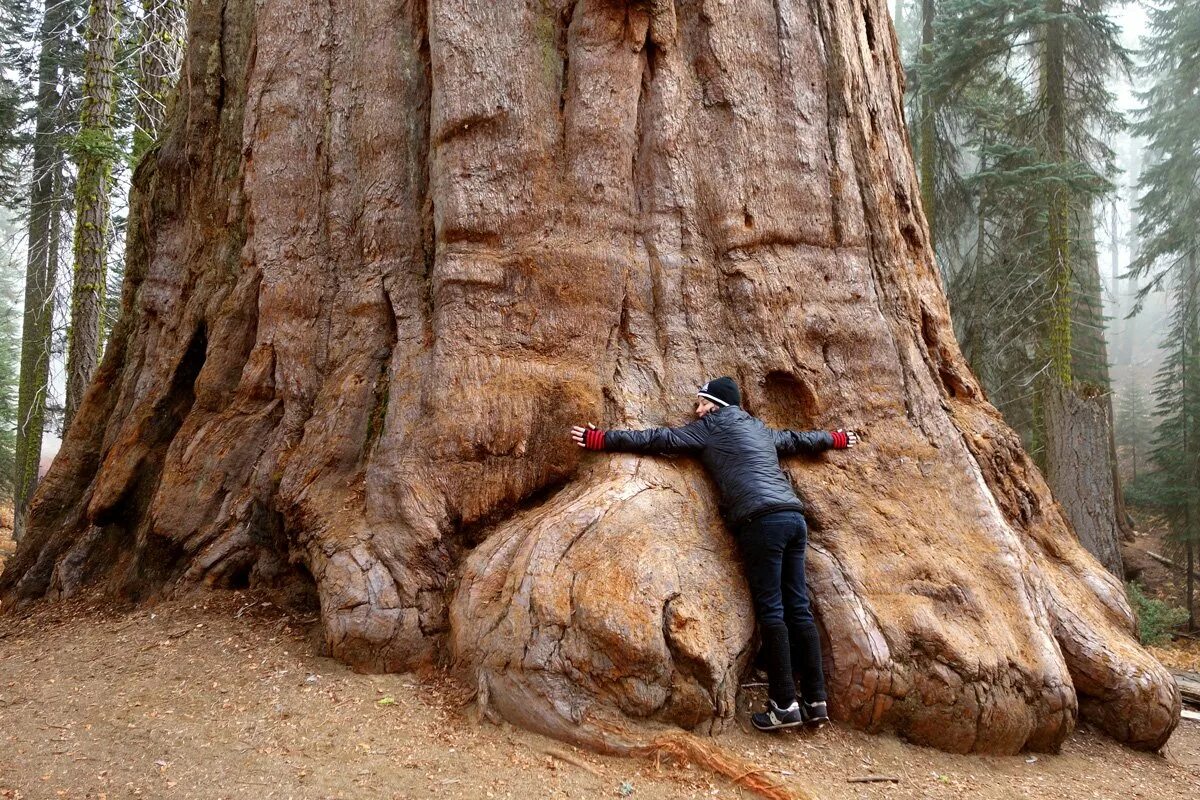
(951, 380)
(153, 560)
(157, 560)
(177, 402)
(164, 422)
(788, 401)
(238, 576)
(562, 27)
(293, 588)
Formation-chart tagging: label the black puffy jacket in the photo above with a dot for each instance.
(741, 454)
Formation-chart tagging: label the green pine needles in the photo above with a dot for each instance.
(1156, 619)
(97, 144)
(1169, 211)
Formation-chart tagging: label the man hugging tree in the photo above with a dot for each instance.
(760, 505)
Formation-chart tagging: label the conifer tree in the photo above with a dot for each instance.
(1029, 122)
(16, 26)
(1168, 210)
(1175, 486)
(1134, 429)
(95, 152)
(1021, 86)
(1169, 183)
(42, 209)
(160, 50)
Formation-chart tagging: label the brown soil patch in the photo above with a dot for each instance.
(222, 697)
(1158, 580)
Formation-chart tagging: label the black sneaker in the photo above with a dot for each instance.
(815, 714)
(775, 717)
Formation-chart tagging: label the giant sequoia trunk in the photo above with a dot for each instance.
(389, 253)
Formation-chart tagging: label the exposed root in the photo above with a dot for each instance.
(503, 698)
(684, 748)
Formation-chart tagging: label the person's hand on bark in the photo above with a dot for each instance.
(590, 438)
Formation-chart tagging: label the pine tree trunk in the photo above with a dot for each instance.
(1123, 519)
(1058, 262)
(1078, 423)
(389, 253)
(1080, 474)
(96, 151)
(1081, 463)
(1115, 261)
(41, 270)
(1119, 333)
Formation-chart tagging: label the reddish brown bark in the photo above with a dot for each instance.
(390, 252)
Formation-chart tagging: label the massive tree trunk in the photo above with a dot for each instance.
(391, 251)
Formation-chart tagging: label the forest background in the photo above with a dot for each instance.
(1058, 149)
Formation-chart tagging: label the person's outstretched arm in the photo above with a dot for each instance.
(688, 439)
(791, 442)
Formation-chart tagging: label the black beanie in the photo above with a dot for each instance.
(722, 391)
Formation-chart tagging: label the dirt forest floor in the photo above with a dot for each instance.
(1157, 579)
(223, 696)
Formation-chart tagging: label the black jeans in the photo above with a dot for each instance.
(773, 548)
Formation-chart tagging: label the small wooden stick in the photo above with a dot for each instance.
(874, 779)
(748, 773)
(569, 759)
(1168, 562)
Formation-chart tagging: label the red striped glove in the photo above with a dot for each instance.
(590, 437)
(843, 439)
